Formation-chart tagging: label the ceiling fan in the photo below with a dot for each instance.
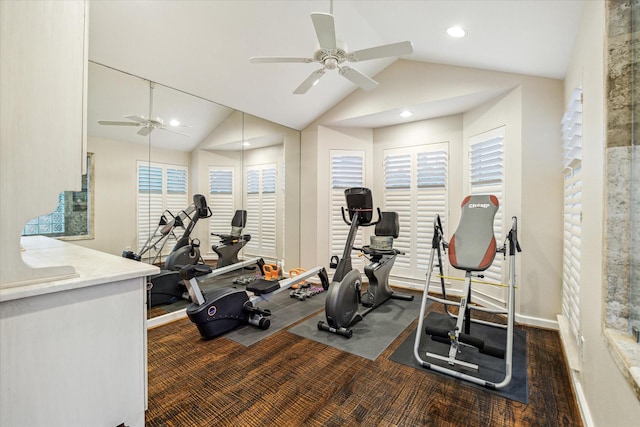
(332, 53)
(146, 125)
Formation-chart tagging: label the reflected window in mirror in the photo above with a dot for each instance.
(73, 217)
(162, 195)
(262, 181)
(222, 198)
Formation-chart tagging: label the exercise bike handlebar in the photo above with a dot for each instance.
(357, 212)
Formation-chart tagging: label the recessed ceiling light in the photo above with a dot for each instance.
(174, 122)
(456, 31)
(406, 113)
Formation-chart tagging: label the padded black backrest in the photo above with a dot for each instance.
(473, 245)
(389, 225)
(239, 219)
(359, 200)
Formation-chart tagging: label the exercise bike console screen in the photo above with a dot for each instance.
(360, 200)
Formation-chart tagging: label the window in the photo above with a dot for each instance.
(486, 172)
(161, 187)
(220, 201)
(347, 171)
(416, 188)
(572, 212)
(261, 198)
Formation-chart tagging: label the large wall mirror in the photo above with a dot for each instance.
(154, 147)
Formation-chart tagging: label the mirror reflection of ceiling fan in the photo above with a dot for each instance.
(332, 53)
(146, 125)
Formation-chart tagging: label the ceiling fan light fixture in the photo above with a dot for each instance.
(174, 122)
(406, 114)
(246, 144)
(456, 31)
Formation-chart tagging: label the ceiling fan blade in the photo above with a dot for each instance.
(358, 78)
(309, 82)
(325, 29)
(145, 131)
(112, 123)
(384, 51)
(173, 131)
(271, 59)
(138, 119)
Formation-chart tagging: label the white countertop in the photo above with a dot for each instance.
(92, 267)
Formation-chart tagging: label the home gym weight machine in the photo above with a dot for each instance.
(344, 297)
(221, 310)
(472, 248)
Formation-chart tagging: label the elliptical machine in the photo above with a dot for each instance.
(344, 296)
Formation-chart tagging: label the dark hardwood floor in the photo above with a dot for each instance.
(287, 380)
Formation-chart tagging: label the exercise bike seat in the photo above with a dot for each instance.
(473, 245)
(238, 222)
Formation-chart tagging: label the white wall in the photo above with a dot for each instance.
(115, 191)
(529, 107)
(533, 188)
(600, 385)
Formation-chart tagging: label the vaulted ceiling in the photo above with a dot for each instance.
(203, 47)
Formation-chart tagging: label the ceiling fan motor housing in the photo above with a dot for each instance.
(331, 58)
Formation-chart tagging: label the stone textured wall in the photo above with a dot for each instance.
(621, 216)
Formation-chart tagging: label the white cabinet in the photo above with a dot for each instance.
(73, 352)
(43, 46)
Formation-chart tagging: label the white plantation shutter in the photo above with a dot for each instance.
(261, 200)
(432, 191)
(572, 159)
(268, 212)
(398, 172)
(571, 249)
(253, 211)
(415, 188)
(486, 167)
(347, 171)
(160, 187)
(175, 199)
(220, 201)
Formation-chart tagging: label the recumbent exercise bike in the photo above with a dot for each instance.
(345, 295)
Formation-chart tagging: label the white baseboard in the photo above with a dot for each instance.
(572, 354)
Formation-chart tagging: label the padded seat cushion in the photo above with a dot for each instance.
(262, 286)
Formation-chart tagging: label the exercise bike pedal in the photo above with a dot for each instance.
(367, 300)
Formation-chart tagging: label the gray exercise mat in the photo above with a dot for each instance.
(284, 312)
(491, 368)
(371, 335)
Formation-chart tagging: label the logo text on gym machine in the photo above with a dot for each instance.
(478, 205)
